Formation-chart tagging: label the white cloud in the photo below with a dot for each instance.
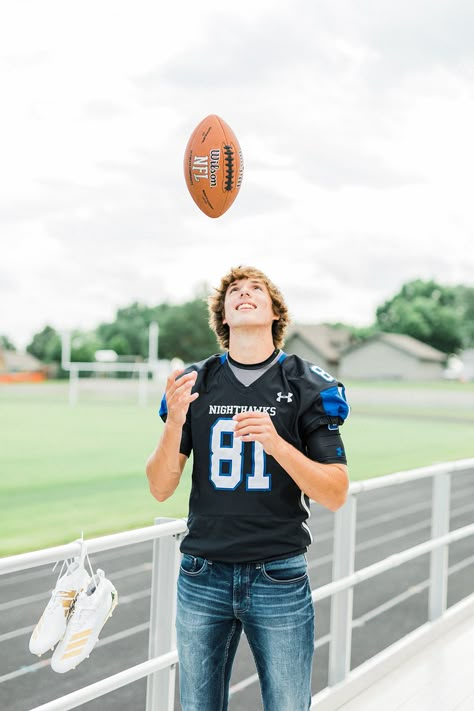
(355, 122)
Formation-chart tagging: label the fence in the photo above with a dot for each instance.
(161, 666)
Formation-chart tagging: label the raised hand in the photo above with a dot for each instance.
(178, 395)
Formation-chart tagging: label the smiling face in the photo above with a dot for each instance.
(223, 298)
(248, 303)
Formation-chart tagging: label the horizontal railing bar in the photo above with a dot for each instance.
(69, 550)
(392, 561)
(111, 683)
(410, 475)
(34, 559)
(128, 676)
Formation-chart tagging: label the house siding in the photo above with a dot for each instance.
(378, 360)
(296, 345)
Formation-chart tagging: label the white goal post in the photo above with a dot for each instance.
(152, 365)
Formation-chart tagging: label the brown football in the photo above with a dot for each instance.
(213, 166)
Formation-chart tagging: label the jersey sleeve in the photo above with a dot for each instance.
(322, 398)
(327, 406)
(324, 444)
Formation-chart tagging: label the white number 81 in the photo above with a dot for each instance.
(227, 460)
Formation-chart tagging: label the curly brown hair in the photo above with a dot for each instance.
(215, 304)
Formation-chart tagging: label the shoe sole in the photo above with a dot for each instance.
(114, 605)
(112, 608)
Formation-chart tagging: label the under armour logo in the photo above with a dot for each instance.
(281, 397)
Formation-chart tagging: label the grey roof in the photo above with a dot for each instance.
(327, 340)
(14, 362)
(407, 344)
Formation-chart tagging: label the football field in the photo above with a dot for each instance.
(66, 469)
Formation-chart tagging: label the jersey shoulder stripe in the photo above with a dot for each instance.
(319, 392)
(334, 402)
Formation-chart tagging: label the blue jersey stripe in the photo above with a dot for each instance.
(335, 403)
(163, 407)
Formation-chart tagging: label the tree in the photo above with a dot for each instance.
(6, 344)
(84, 344)
(185, 333)
(357, 333)
(46, 346)
(128, 334)
(427, 311)
(465, 301)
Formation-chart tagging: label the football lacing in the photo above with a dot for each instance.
(229, 167)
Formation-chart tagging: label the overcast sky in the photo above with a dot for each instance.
(355, 120)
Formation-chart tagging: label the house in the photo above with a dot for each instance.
(467, 358)
(392, 356)
(319, 343)
(16, 367)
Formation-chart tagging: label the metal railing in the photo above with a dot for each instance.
(344, 577)
(161, 666)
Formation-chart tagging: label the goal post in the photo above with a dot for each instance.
(108, 364)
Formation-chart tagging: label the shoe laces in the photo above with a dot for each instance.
(78, 616)
(83, 605)
(60, 597)
(69, 566)
(72, 564)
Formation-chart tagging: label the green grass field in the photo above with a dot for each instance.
(65, 470)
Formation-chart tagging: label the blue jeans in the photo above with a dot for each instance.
(272, 603)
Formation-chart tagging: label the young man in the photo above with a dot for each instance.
(263, 429)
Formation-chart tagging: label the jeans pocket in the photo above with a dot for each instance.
(193, 565)
(289, 570)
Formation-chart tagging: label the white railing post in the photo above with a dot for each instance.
(341, 602)
(439, 556)
(162, 636)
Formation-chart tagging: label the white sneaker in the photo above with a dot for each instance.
(91, 611)
(52, 624)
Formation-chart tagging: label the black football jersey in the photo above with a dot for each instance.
(243, 506)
